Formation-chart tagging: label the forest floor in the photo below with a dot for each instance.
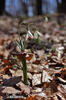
(46, 61)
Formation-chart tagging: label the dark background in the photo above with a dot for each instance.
(32, 7)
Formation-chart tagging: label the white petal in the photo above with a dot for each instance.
(35, 35)
(40, 34)
(26, 37)
(30, 34)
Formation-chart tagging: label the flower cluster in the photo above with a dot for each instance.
(33, 36)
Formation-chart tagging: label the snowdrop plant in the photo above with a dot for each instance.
(21, 44)
(22, 41)
(35, 35)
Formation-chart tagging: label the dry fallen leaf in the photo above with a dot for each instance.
(10, 90)
(36, 80)
(12, 81)
(24, 88)
(27, 56)
(46, 77)
(35, 98)
(5, 69)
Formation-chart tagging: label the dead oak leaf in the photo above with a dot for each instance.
(20, 56)
(10, 90)
(12, 81)
(2, 70)
(36, 97)
(25, 89)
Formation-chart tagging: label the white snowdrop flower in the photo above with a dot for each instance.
(26, 38)
(46, 19)
(36, 34)
(30, 34)
(39, 33)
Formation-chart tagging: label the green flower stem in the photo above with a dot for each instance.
(25, 71)
(19, 26)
